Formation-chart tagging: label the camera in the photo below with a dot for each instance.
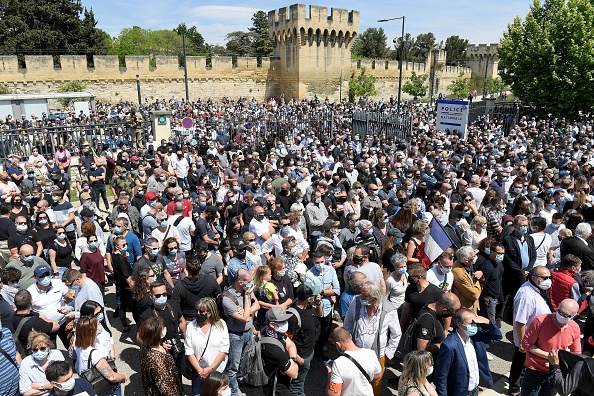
(176, 345)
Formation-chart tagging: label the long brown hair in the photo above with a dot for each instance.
(86, 331)
(403, 219)
(140, 285)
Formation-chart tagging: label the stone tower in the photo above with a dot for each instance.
(312, 50)
(483, 60)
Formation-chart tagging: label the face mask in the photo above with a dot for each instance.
(364, 303)
(467, 213)
(471, 329)
(28, 258)
(385, 221)
(202, 205)
(375, 193)
(43, 221)
(458, 223)
(62, 236)
(124, 248)
(164, 223)
(66, 386)
(55, 199)
(281, 327)
(318, 200)
(370, 232)
(357, 260)
(172, 251)
(141, 173)
(294, 250)
(164, 333)
(94, 245)
(161, 300)
(402, 270)
(259, 217)
(523, 230)
(319, 267)
(487, 251)
(561, 319)
(100, 317)
(40, 355)
(550, 191)
(21, 228)
(430, 371)
(45, 281)
(248, 285)
(445, 270)
(117, 230)
(545, 284)
(201, 317)
(186, 196)
(533, 193)
(281, 273)
(286, 229)
(555, 225)
(499, 258)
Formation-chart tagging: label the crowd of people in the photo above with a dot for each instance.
(309, 245)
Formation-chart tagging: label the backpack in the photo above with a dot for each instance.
(219, 302)
(251, 369)
(15, 336)
(407, 340)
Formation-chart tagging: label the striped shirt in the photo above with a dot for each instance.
(10, 374)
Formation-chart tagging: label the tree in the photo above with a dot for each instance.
(71, 86)
(262, 46)
(548, 59)
(138, 41)
(361, 85)
(493, 85)
(241, 43)
(415, 86)
(49, 27)
(456, 50)
(460, 87)
(371, 44)
(424, 43)
(195, 44)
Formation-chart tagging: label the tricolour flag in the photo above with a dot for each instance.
(436, 240)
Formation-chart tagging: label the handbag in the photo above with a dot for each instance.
(100, 384)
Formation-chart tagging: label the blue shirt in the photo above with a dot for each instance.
(236, 264)
(133, 247)
(345, 301)
(10, 374)
(323, 281)
(31, 372)
(96, 173)
(524, 252)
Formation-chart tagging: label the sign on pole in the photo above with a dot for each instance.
(453, 114)
(187, 123)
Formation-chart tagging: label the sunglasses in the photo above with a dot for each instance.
(564, 314)
(160, 295)
(38, 349)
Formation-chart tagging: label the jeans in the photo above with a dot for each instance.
(488, 308)
(100, 191)
(61, 271)
(196, 384)
(536, 383)
(117, 391)
(236, 344)
(183, 182)
(516, 370)
(325, 330)
(298, 384)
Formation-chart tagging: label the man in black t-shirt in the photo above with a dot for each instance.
(23, 302)
(24, 236)
(278, 356)
(433, 320)
(303, 331)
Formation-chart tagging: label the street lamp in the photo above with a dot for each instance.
(401, 56)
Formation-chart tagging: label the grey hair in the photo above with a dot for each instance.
(363, 224)
(583, 230)
(458, 317)
(376, 291)
(587, 278)
(287, 240)
(296, 207)
(398, 258)
(478, 220)
(357, 278)
(161, 215)
(464, 253)
(124, 221)
(538, 204)
(519, 218)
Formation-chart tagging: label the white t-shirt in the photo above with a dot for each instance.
(346, 373)
(82, 355)
(395, 289)
(259, 228)
(542, 243)
(185, 227)
(437, 279)
(48, 302)
(160, 236)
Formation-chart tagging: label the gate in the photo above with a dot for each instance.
(385, 126)
(501, 112)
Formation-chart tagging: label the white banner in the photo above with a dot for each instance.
(453, 114)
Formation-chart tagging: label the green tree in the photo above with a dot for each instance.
(49, 27)
(5, 90)
(424, 43)
(138, 41)
(493, 85)
(241, 43)
(371, 44)
(460, 87)
(195, 44)
(262, 46)
(415, 86)
(71, 86)
(547, 59)
(456, 50)
(361, 85)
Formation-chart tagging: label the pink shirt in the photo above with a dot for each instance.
(544, 334)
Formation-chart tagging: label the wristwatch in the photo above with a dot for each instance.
(42, 386)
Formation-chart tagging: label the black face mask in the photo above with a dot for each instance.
(201, 317)
(357, 260)
(240, 255)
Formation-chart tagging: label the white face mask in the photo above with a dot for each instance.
(545, 284)
(561, 319)
(282, 327)
(66, 386)
(430, 371)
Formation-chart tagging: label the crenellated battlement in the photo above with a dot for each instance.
(481, 50)
(301, 15)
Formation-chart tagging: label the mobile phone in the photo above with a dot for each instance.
(329, 362)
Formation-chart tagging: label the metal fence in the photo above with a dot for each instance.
(502, 112)
(385, 126)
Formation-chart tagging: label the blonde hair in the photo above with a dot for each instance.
(35, 338)
(416, 366)
(261, 272)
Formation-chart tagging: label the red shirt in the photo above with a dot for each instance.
(187, 208)
(91, 264)
(544, 334)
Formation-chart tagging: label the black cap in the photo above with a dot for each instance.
(239, 244)
(86, 212)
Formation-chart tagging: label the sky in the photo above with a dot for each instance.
(481, 22)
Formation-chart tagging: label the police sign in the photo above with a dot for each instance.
(452, 114)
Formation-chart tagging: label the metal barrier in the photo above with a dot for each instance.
(385, 126)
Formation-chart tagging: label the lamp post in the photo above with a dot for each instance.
(138, 89)
(185, 66)
(400, 60)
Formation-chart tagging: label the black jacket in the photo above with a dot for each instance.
(576, 246)
(574, 374)
(512, 263)
(188, 291)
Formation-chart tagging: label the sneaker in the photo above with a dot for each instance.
(489, 356)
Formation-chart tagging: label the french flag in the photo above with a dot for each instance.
(436, 240)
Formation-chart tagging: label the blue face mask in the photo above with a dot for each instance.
(523, 230)
(248, 285)
(499, 258)
(550, 190)
(161, 300)
(43, 221)
(100, 317)
(487, 251)
(226, 392)
(286, 229)
(92, 219)
(364, 303)
(40, 355)
(164, 223)
(375, 193)
(467, 213)
(385, 221)
(45, 281)
(318, 200)
(94, 245)
(117, 230)
(402, 270)
(124, 248)
(458, 223)
(319, 267)
(398, 241)
(533, 193)
(172, 251)
(202, 205)
(281, 273)
(154, 252)
(471, 329)
(370, 231)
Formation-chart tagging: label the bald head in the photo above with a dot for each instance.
(568, 307)
(340, 334)
(244, 275)
(26, 250)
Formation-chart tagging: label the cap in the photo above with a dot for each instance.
(315, 289)
(329, 224)
(42, 269)
(239, 244)
(86, 212)
(277, 314)
(134, 158)
(393, 201)
(85, 196)
(507, 218)
(150, 196)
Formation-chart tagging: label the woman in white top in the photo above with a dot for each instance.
(352, 204)
(476, 233)
(87, 348)
(32, 379)
(206, 342)
(397, 281)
